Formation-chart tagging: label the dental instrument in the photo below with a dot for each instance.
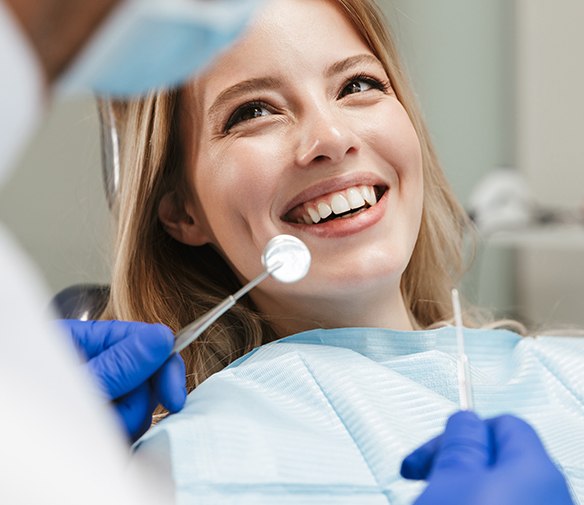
(463, 364)
(285, 257)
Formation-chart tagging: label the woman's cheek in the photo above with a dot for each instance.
(258, 161)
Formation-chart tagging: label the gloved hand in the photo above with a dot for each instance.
(499, 461)
(130, 362)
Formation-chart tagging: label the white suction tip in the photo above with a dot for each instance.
(292, 256)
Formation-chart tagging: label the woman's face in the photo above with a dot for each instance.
(298, 131)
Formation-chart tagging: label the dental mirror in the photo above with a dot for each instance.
(291, 253)
(285, 257)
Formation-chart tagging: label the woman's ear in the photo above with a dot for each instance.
(180, 223)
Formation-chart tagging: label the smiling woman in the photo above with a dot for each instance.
(323, 121)
(301, 129)
(307, 127)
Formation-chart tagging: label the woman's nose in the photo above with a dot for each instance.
(325, 136)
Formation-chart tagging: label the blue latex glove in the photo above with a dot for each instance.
(130, 362)
(498, 461)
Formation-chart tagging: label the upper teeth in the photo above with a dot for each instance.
(337, 203)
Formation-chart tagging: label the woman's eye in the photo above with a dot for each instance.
(245, 113)
(359, 85)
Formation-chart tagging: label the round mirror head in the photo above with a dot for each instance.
(291, 254)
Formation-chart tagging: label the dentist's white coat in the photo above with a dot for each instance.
(59, 444)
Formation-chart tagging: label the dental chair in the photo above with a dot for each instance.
(81, 301)
(87, 301)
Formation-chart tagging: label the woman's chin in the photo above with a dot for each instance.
(353, 289)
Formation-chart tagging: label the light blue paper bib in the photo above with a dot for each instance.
(327, 416)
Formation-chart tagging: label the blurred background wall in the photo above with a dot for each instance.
(550, 153)
(55, 202)
(499, 84)
(460, 55)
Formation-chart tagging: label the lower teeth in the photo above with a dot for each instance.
(344, 216)
(334, 216)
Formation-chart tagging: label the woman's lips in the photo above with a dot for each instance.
(347, 223)
(338, 204)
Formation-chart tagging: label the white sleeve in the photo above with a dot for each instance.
(21, 91)
(59, 442)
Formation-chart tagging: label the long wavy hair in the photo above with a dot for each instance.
(157, 279)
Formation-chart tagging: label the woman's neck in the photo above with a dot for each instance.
(292, 316)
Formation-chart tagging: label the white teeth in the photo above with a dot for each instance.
(369, 194)
(339, 204)
(355, 198)
(324, 210)
(314, 215)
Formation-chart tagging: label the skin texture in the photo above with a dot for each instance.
(58, 29)
(327, 118)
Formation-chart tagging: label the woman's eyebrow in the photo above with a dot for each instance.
(262, 83)
(242, 88)
(351, 62)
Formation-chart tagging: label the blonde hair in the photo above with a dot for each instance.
(157, 279)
